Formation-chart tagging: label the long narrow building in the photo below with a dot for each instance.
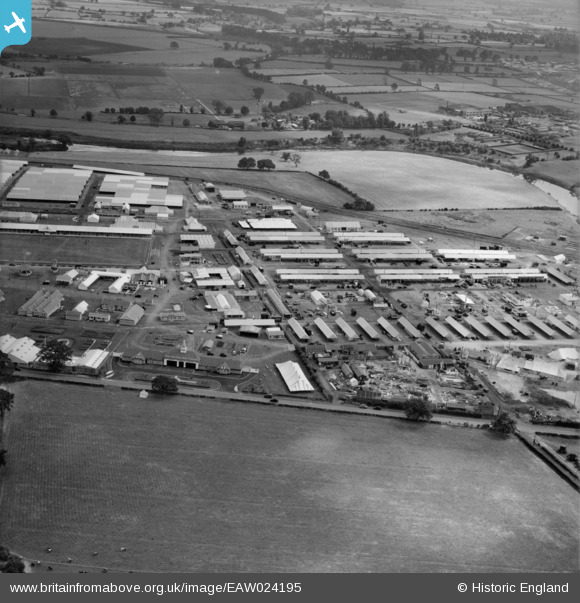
(558, 324)
(348, 331)
(438, 328)
(458, 327)
(325, 329)
(389, 329)
(367, 328)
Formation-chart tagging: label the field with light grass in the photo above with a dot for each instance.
(187, 485)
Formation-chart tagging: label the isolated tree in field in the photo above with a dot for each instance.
(174, 45)
(286, 156)
(394, 86)
(419, 408)
(218, 106)
(228, 110)
(6, 367)
(337, 136)
(246, 163)
(258, 93)
(244, 110)
(6, 401)
(53, 113)
(305, 123)
(121, 119)
(504, 424)
(87, 116)
(164, 385)
(266, 164)
(186, 123)
(55, 354)
(324, 174)
(155, 116)
(296, 159)
(3, 455)
(132, 119)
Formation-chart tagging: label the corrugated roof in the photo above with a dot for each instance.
(294, 377)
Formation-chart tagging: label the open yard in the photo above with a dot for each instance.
(203, 486)
(106, 251)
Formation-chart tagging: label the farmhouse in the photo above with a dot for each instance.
(42, 304)
(99, 316)
(132, 315)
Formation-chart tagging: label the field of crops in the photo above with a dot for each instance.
(74, 250)
(203, 486)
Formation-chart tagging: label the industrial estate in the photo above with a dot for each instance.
(167, 290)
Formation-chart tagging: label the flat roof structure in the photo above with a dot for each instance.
(481, 255)
(320, 277)
(203, 241)
(558, 324)
(478, 327)
(317, 271)
(285, 236)
(389, 329)
(519, 274)
(399, 276)
(9, 167)
(518, 326)
(71, 230)
(298, 330)
(376, 238)
(349, 332)
(541, 326)
(387, 257)
(137, 190)
(409, 328)
(271, 224)
(229, 194)
(294, 377)
(438, 328)
(342, 226)
(458, 327)
(249, 322)
(50, 185)
(258, 276)
(325, 329)
(497, 326)
(559, 276)
(367, 328)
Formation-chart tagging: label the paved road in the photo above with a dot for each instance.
(295, 403)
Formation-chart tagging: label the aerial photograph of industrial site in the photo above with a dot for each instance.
(290, 286)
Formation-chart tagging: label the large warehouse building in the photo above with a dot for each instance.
(50, 185)
(371, 238)
(116, 190)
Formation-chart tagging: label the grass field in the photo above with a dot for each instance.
(405, 181)
(74, 250)
(204, 486)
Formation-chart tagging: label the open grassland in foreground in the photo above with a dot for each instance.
(194, 485)
(96, 251)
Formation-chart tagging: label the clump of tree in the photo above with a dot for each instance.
(155, 116)
(162, 384)
(504, 424)
(10, 563)
(419, 408)
(55, 354)
(7, 368)
(6, 402)
(266, 164)
(246, 163)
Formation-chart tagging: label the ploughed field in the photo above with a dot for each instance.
(197, 485)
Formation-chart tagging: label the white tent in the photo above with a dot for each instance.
(564, 354)
(293, 376)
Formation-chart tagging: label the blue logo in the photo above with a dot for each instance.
(15, 22)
